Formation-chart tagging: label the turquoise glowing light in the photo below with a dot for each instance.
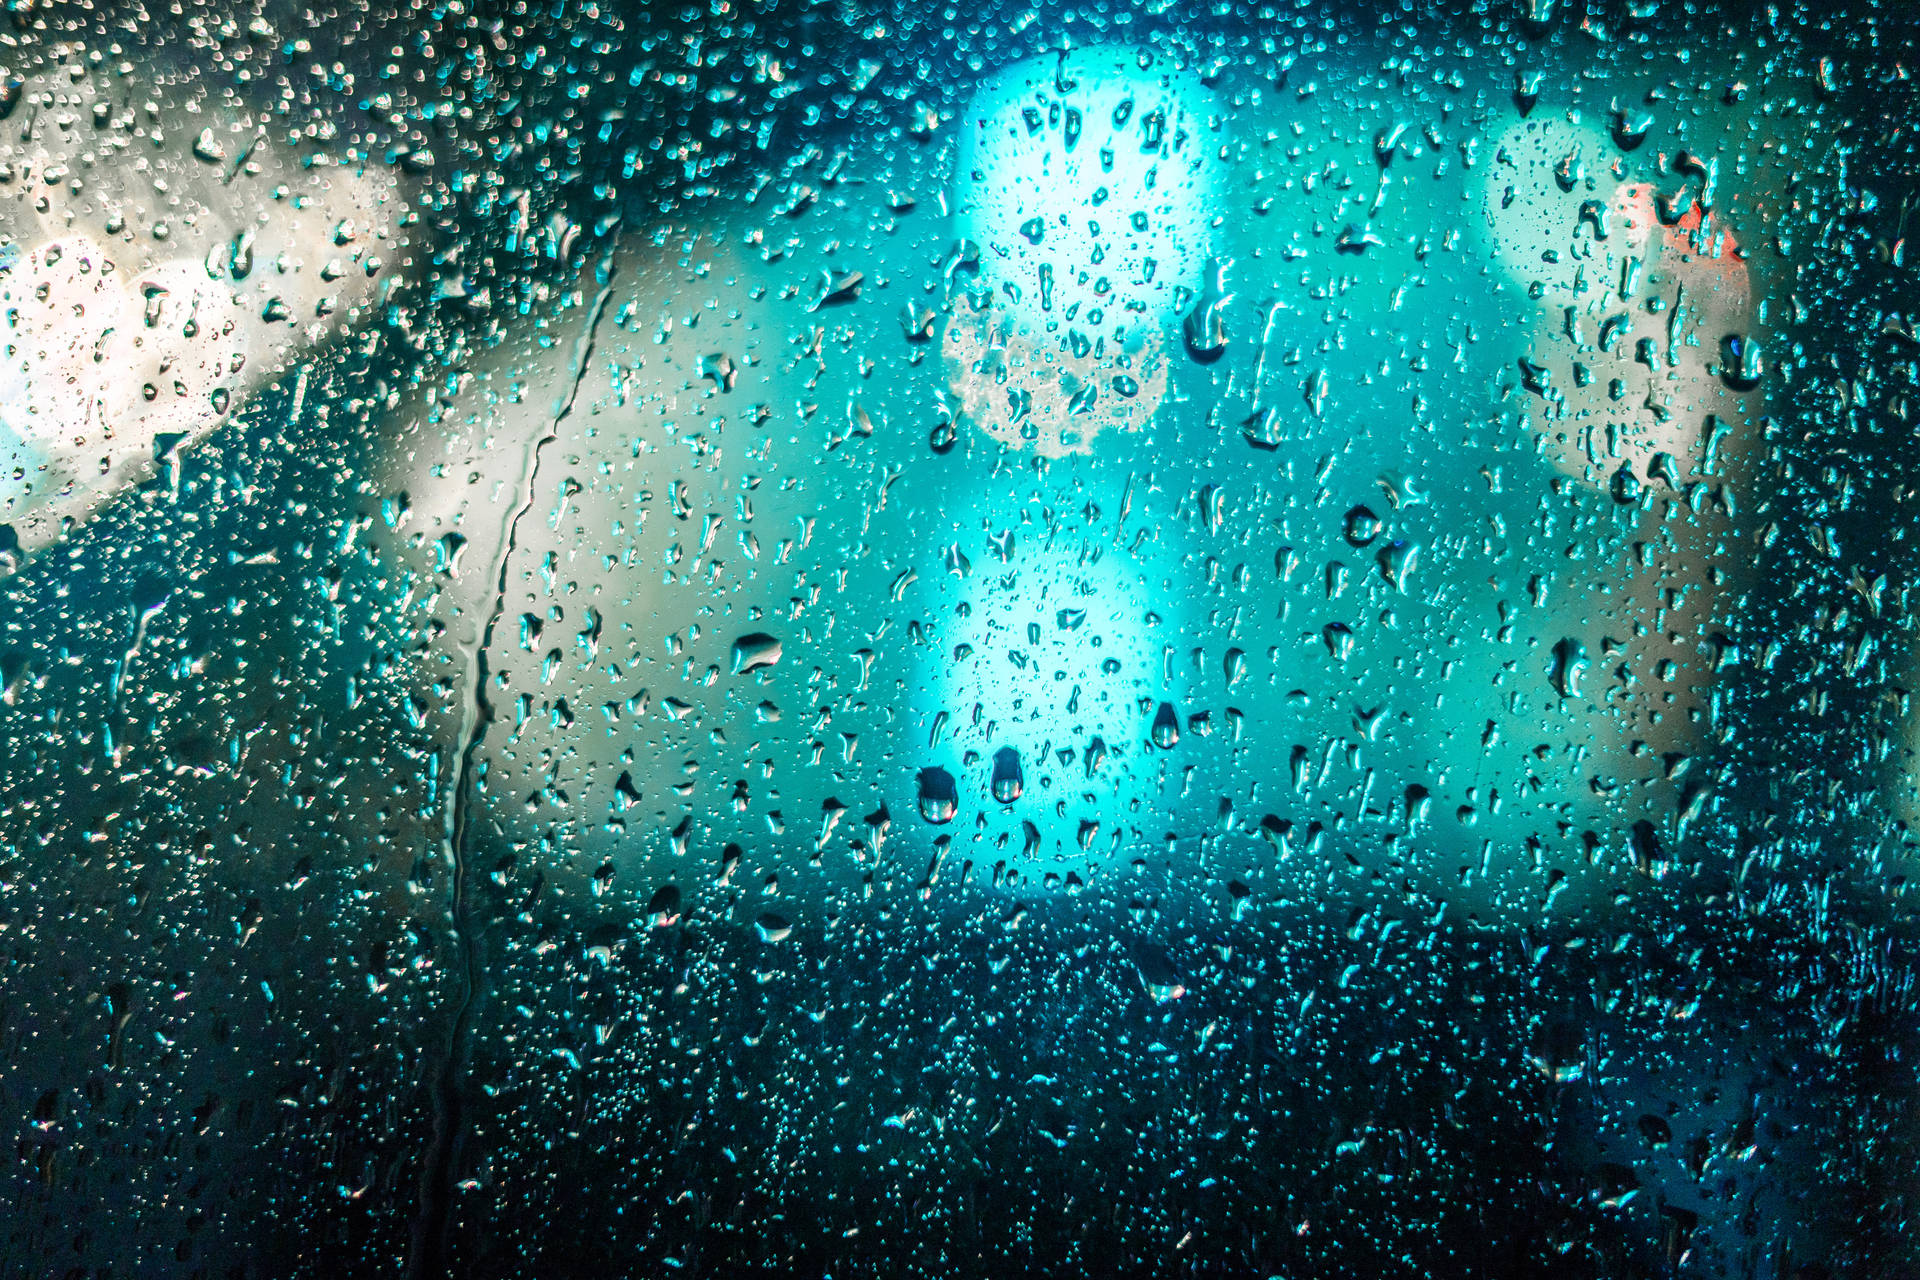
(1089, 180)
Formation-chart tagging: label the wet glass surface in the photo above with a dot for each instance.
(860, 641)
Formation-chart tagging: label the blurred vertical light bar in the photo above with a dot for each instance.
(1085, 192)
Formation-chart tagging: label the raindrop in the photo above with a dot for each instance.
(1362, 527)
(663, 908)
(1008, 778)
(1630, 127)
(1742, 364)
(1625, 485)
(1397, 561)
(939, 796)
(1161, 981)
(1526, 90)
(1355, 238)
(835, 287)
(1205, 327)
(1568, 664)
(754, 650)
(1166, 727)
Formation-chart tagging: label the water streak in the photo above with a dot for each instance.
(443, 1156)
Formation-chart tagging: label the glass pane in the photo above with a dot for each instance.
(844, 640)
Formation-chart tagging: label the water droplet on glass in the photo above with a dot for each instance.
(1526, 90)
(1166, 727)
(1742, 363)
(1158, 977)
(1625, 485)
(939, 797)
(1008, 778)
(1397, 561)
(754, 650)
(663, 908)
(1568, 664)
(1205, 327)
(1630, 127)
(1362, 527)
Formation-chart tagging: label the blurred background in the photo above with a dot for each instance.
(841, 640)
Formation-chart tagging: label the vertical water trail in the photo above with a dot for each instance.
(426, 1257)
